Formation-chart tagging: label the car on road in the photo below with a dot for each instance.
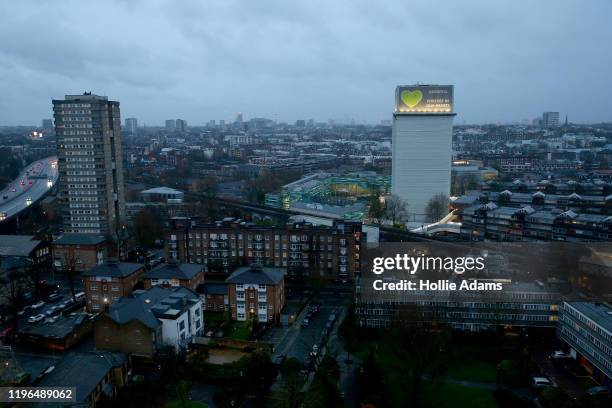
(79, 296)
(305, 322)
(555, 355)
(36, 318)
(599, 390)
(541, 381)
(38, 305)
(54, 297)
(2, 216)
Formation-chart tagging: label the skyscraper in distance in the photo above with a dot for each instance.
(47, 124)
(550, 119)
(131, 124)
(181, 125)
(88, 135)
(422, 133)
(170, 124)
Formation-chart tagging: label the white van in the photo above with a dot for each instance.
(79, 296)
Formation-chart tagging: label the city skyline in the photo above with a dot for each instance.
(508, 63)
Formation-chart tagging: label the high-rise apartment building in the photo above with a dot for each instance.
(170, 124)
(47, 124)
(421, 137)
(88, 134)
(131, 124)
(181, 125)
(550, 119)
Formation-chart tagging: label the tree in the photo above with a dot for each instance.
(292, 382)
(437, 207)
(69, 265)
(147, 228)
(376, 210)
(418, 351)
(396, 208)
(463, 182)
(208, 186)
(14, 282)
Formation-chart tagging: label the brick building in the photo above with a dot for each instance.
(175, 274)
(105, 284)
(332, 252)
(256, 293)
(85, 250)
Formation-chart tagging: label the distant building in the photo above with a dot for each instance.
(148, 320)
(161, 194)
(131, 125)
(300, 123)
(550, 119)
(256, 293)
(181, 125)
(215, 296)
(174, 274)
(105, 284)
(170, 124)
(93, 375)
(586, 331)
(81, 251)
(421, 142)
(239, 119)
(47, 124)
(88, 134)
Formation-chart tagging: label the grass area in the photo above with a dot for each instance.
(239, 331)
(457, 396)
(470, 369)
(189, 404)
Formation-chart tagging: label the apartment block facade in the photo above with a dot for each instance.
(586, 329)
(256, 293)
(88, 135)
(105, 284)
(330, 252)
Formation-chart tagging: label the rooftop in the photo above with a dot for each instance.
(80, 239)
(150, 305)
(600, 313)
(17, 245)
(259, 275)
(84, 371)
(114, 269)
(181, 271)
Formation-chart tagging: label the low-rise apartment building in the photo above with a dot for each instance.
(148, 320)
(256, 292)
(174, 274)
(106, 283)
(80, 251)
(36, 251)
(586, 330)
(304, 249)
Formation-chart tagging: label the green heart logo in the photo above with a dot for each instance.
(411, 99)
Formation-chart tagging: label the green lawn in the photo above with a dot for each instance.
(239, 331)
(190, 404)
(457, 396)
(470, 369)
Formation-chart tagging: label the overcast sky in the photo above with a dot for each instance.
(288, 60)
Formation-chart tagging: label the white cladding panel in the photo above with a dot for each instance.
(421, 168)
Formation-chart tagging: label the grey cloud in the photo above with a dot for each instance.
(288, 60)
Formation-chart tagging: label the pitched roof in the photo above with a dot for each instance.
(259, 275)
(114, 269)
(150, 305)
(181, 271)
(84, 371)
(17, 245)
(80, 239)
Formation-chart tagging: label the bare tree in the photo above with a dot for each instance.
(396, 208)
(376, 210)
(69, 265)
(437, 207)
(15, 281)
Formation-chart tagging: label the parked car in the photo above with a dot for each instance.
(36, 318)
(305, 322)
(541, 382)
(54, 297)
(38, 305)
(599, 390)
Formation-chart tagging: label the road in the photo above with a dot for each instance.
(29, 187)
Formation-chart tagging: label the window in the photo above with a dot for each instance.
(182, 325)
